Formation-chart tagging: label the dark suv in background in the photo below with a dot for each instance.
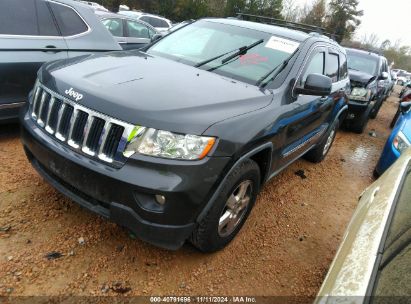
(33, 32)
(370, 86)
(175, 141)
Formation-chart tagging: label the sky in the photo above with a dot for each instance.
(388, 19)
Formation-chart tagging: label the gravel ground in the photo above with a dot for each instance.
(284, 249)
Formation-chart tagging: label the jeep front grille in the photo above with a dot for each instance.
(84, 130)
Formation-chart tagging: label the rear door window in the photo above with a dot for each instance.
(69, 22)
(17, 18)
(115, 26)
(137, 30)
(29, 18)
(332, 67)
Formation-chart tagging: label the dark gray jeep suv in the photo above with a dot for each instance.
(175, 141)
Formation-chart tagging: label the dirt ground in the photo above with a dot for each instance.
(284, 249)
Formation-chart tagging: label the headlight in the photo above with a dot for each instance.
(401, 142)
(360, 92)
(167, 144)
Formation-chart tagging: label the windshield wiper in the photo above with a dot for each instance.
(278, 68)
(240, 51)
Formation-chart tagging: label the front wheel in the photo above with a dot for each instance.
(230, 210)
(376, 108)
(317, 154)
(361, 122)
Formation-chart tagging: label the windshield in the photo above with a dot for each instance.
(203, 40)
(362, 63)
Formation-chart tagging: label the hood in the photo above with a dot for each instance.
(152, 91)
(361, 77)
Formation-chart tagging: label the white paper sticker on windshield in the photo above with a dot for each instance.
(281, 44)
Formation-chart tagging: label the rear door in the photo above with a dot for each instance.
(138, 34)
(28, 38)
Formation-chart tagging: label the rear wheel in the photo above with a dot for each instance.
(230, 210)
(317, 154)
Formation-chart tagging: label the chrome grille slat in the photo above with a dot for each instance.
(82, 129)
(40, 108)
(59, 119)
(87, 129)
(103, 140)
(35, 101)
(50, 108)
(72, 124)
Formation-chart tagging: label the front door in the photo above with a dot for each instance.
(305, 125)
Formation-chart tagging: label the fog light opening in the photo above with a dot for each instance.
(161, 199)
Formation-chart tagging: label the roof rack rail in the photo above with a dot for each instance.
(307, 28)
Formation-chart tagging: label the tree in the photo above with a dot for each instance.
(343, 18)
(386, 44)
(316, 16)
(233, 7)
(370, 41)
(190, 9)
(291, 11)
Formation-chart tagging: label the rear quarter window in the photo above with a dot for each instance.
(69, 22)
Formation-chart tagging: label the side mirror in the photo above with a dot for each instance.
(384, 76)
(405, 106)
(156, 37)
(316, 85)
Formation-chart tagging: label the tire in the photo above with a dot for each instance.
(394, 120)
(209, 235)
(375, 174)
(376, 109)
(359, 125)
(320, 151)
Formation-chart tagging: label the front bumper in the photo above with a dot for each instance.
(127, 195)
(388, 157)
(357, 105)
(10, 112)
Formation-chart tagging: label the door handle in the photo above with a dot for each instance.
(51, 48)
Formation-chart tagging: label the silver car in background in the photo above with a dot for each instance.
(373, 263)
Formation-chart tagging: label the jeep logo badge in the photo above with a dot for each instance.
(77, 96)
